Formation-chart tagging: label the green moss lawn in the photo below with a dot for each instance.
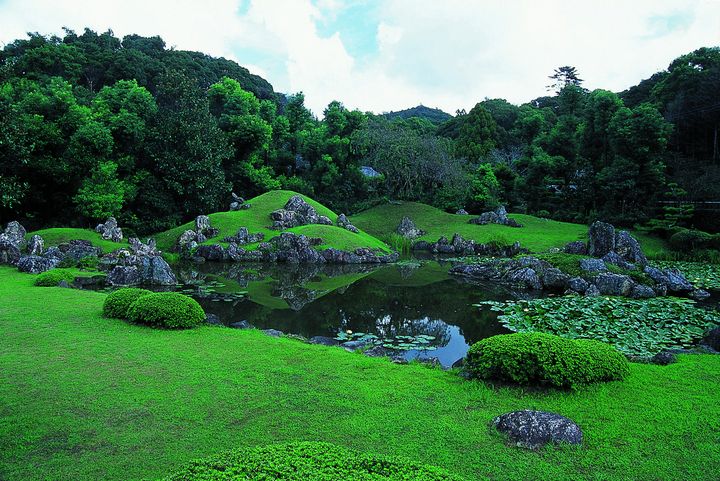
(257, 219)
(88, 398)
(537, 234)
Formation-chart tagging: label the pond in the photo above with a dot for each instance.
(411, 298)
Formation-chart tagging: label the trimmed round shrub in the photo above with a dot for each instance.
(537, 358)
(53, 277)
(118, 302)
(689, 239)
(166, 309)
(307, 461)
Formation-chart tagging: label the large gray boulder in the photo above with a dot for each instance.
(344, 222)
(36, 246)
(124, 276)
(15, 232)
(602, 239)
(36, 264)
(79, 249)
(535, 429)
(614, 284)
(110, 230)
(575, 247)
(628, 248)
(593, 265)
(408, 229)
(497, 216)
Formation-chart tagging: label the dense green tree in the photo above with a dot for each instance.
(478, 134)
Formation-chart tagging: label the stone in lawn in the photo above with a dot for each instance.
(535, 429)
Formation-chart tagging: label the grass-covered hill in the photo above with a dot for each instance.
(87, 398)
(537, 234)
(257, 219)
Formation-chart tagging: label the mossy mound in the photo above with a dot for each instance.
(257, 219)
(306, 461)
(537, 234)
(537, 358)
(118, 303)
(169, 310)
(59, 235)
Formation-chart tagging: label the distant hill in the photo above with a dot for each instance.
(435, 116)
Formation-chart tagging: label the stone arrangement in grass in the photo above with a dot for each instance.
(611, 263)
(545, 359)
(307, 461)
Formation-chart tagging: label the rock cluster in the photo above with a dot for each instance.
(614, 247)
(618, 249)
(238, 203)
(497, 216)
(191, 238)
(535, 429)
(297, 212)
(344, 222)
(110, 230)
(408, 229)
(460, 246)
(461, 212)
(244, 236)
(12, 243)
(140, 264)
(291, 248)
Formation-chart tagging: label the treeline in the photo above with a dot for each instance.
(93, 125)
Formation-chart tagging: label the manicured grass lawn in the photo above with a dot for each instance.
(536, 234)
(257, 219)
(88, 398)
(58, 235)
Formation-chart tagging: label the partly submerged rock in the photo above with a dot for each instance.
(535, 429)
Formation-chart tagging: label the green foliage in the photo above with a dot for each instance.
(484, 188)
(167, 310)
(102, 194)
(307, 461)
(53, 277)
(536, 358)
(637, 327)
(117, 303)
(688, 240)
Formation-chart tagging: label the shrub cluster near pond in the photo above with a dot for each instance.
(536, 358)
(635, 327)
(54, 277)
(166, 309)
(307, 461)
(117, 303)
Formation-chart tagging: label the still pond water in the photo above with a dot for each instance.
(410, 298)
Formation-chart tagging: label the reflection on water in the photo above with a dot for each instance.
(404, 299)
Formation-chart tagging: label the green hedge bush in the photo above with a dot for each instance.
(166, 309)
(53, 277)
(118, 303)
(689, 239)
(538, 358)
(306, 461)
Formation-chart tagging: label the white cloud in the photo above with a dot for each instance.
(447, 54)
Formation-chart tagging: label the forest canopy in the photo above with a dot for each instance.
(94, 125)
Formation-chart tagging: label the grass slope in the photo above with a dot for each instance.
(257, 219)
(88, 398)
(59, 235)
(536, 234)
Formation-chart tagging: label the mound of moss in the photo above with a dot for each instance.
(53, 277)
(169, 310)
(306, 461)
(117, 303)
(538, 358)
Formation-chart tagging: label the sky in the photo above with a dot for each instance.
(389, 55)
